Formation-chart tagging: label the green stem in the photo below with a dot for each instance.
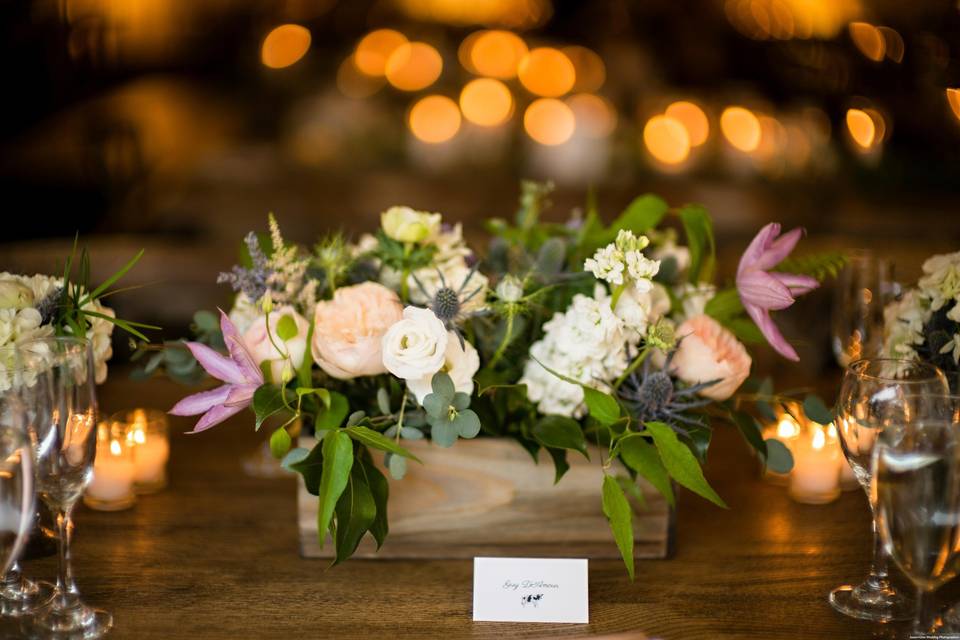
(615, 298)
(507, 335)
(633, 366)
(403, 405)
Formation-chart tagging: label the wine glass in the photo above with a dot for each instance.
(66, 429)
(873, 397)
(19, 595)
(916, 486)
(863, 289)
(17, 500)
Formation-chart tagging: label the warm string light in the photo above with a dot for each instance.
(284, 46)
(375, 48)
(741, 128)
(434, 119)
(547, 72)
(549, 121)
(486, 102)
(666, 139)
(413, 66)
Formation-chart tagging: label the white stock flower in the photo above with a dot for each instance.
(623, 259)
(460, 363)
(586, 343)
(606, 264)
(415, 346)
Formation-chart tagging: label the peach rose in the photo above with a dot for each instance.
(348, 330)
(707, 352)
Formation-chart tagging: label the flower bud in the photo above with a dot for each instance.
(510, 289)
(404, 224)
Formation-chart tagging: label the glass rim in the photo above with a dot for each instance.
(857, 367)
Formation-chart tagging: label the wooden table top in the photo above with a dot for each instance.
(215, 556)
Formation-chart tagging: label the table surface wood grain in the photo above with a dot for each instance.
(216, 556)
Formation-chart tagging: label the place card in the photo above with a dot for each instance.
(530, 590)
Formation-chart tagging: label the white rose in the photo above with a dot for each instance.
(262, 349)
(460, 363)
(15, 295)
(404, 224)
(415, 346)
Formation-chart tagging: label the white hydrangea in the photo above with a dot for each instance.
(587, 343)
(623, 259)
(904, 321)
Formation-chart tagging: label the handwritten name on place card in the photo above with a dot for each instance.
(530, 590)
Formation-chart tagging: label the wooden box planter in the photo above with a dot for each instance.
(486, 497)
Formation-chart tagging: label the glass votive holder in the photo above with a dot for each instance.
(111, 488)
(147, 434)
(815, 478)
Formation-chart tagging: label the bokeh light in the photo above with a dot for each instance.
(741, 128)
(496, 54)
(413, 66)
(785, 19)
(355, 84)
(549, 121)
(284, 46)
(894, 43)
(595, 116)
(953, 99)
(486, 102)
(589, 68)
(666, 139)
(868, 39)
(514, 14)
(375, 48)
(547, 72)
(434, 119)
(861, 127)
(693, 119)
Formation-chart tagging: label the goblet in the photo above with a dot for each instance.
(66, 445)
(916, 484)
(863, 289)
(873, 397)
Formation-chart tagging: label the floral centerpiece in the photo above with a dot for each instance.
(40, 306)
(576, 338)
(924, 323)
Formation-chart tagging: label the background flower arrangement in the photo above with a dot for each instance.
(925, 322)
(39, 306)
(610, 341)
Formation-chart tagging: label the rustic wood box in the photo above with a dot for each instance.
(486, 497)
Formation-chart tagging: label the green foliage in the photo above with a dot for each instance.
(641, 456)
(819, 265)
(560, 432)
(680, 462)
(617, 510)
(286, 327)
(270, 399)
(331, 416)
(778, 458)
(724, 306)
(380, 490)
(560, 464)
(641, 215)
(699, 231)
(603, 407)
(816, 410)
(337, 462)
(377, 440)
(280, 443)
(356, 511)
(448, 413)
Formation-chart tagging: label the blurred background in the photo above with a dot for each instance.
(176, 125)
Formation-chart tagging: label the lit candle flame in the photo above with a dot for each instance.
(115, 448)
(819, 438)
(788, 428)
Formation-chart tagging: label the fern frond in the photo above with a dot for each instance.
(819, 265)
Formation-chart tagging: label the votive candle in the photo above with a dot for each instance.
(815, 478)
(147, 435)
(111, 488)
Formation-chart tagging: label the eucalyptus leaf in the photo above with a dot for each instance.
(778, 458)
(642, 457)
(397, 466)
(550, 258)
(442, 386)
(467, 424)
(680, 462)
(383, 401)
(206, 321)
(560, 432)
(293, 457)
(616, 508)
(356, 417)
(436, 405)
(816, 410)
(411, 433)
(461, 401)
(337, 462)
(414, 419)
(444, 433)
(750, 430)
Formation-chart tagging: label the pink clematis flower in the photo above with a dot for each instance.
(239, 372)
(763, 291)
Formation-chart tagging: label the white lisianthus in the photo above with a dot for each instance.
(415, 347)
(903, 325)
(404, 224)
(586, 343)
(261, 345)
(460, 363)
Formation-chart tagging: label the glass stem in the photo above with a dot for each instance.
(66, 587)
(926, 619)
(878, 568)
